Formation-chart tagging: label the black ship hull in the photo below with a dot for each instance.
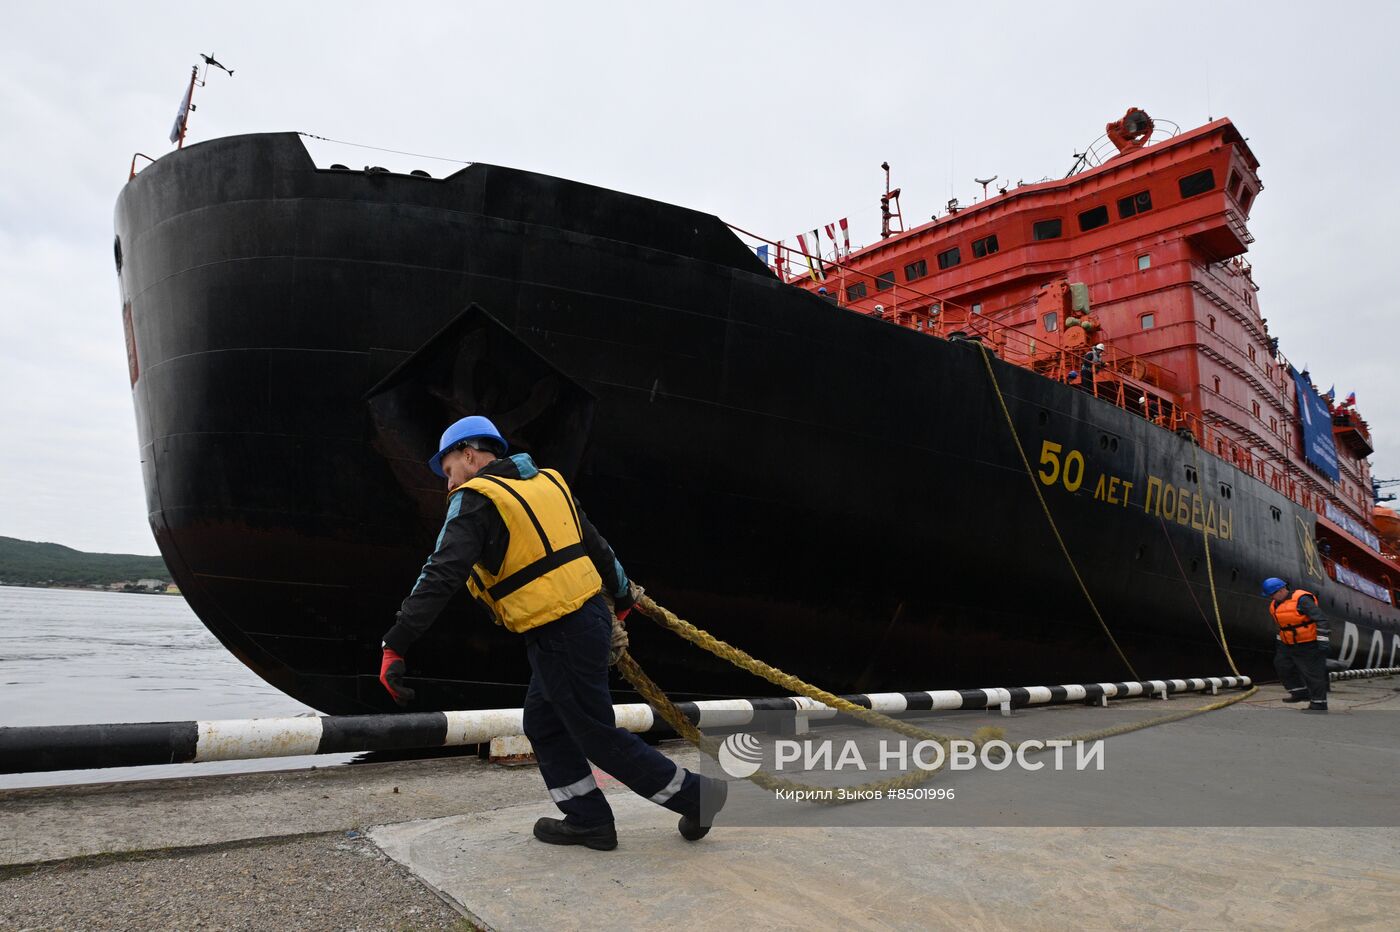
(839, 496)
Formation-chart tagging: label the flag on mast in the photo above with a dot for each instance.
(811, 247)
(843, 247)
(182, 115)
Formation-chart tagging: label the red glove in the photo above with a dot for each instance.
(623, 604)
(391, 672)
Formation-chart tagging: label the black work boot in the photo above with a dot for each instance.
(1297, 698)
(713, 794)
(1316, 707)
(560, 832)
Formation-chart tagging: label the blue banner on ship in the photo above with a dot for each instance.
(1318, 444)
(1351, 526)
(1361, 584)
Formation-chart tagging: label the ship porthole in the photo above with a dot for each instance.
(117, 251)
(1044, 418)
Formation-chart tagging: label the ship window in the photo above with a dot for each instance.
(915, 270)
(1273, 424)
(977, 308)
(1199, 183)
(1144, 263)
(1047, 229)
(1093, 219)
(1252, 357)
(1148, 321)
(1254, 406)
(1050, 322)
(1138, 203)
(950, 258)
(884, 281)
(1245, 197)
(855, 292)
(1212, 321)
(1217, 384)
(984, 246)
(1235, 182)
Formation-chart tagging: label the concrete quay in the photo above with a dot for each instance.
(446, 843)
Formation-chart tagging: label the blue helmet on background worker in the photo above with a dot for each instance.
(1273, 584)
(475, 427)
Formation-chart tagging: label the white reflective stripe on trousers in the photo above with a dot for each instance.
(672, 788)
(577, 788)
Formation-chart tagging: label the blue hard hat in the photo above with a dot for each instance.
(475, 427)
(1273, 584)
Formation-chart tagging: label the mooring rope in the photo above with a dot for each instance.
(1040, 497)
(829, 795)
(663, 706)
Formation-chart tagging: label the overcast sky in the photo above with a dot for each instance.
(773, 116)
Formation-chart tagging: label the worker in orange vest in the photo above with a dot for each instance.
(1304, 638)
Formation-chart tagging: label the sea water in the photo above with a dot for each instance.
(70, 657)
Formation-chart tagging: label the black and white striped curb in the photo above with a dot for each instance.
(1364, 674)
(31, 749)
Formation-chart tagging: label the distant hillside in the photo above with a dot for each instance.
(27, 563)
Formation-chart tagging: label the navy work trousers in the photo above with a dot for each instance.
(1302, 668)
(569, 721)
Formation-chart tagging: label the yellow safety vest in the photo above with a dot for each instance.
(546, 572)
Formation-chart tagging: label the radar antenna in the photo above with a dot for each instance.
(887, 214)
(984, 182)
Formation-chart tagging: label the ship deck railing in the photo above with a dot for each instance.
(1133, 383)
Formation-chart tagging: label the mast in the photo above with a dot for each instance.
(188, 107)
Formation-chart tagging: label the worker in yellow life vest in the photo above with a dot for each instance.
(518, 541)
(1304, 637)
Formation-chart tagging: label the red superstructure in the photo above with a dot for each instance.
(1143, 254)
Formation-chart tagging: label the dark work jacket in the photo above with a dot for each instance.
(472, 533)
